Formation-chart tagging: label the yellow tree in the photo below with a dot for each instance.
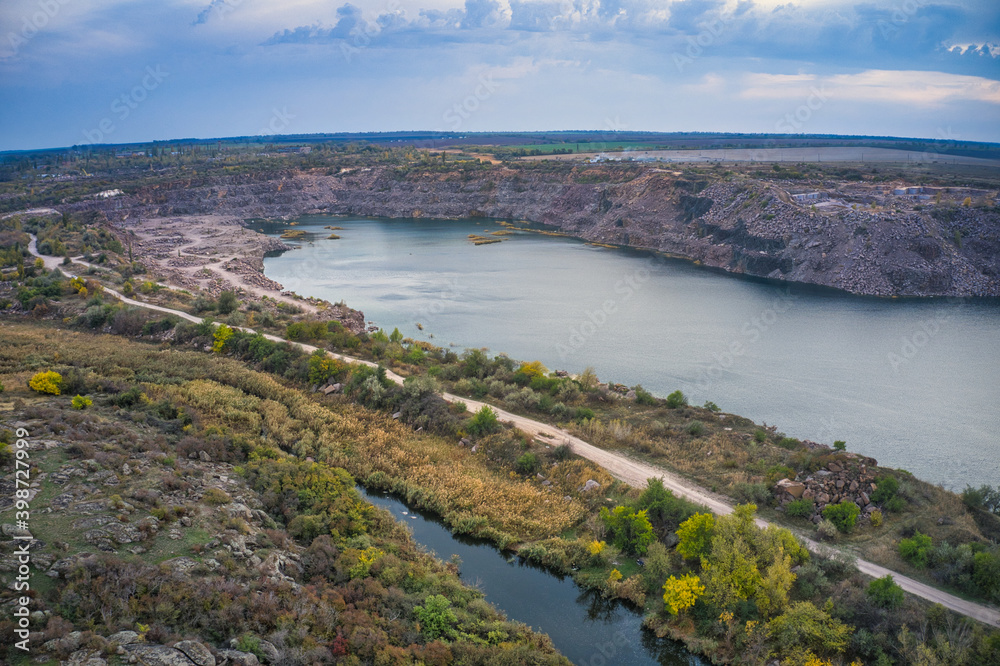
(679, 594)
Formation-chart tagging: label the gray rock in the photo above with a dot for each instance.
(269, 653)
(157, 655)
(196, 652)
(86, 658)
(124, 638)
(204, 457)
(590, 485)
(237, 658)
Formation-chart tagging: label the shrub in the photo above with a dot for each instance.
(752, 493)
(676, 399)
(789, 443)
(46, 382)
(711, 406)
(527, 463)
(759, 436)
(81, 402)
(843, 515)
(916, 549)
(583, 413)
(679, 594)
(216, 497)
(483, 422)
(221, 337)
(984, 497)
(876, 518)
(696, 428)
(643, 397)
(827, 530)
(895, 504)
(885, 593)
(886, 488)
(323, 367)
(800, 508)
(840, 445)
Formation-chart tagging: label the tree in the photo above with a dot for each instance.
(221, 337)
(395, 336)
(227, 302)
(533, 369)
(323, 367)
(588, 379)
(884, 592)
(436, 617)
(630, 530)
(46, 382)
(664, 510)
(916, 549)
(483, 422)
(695, 536)
(679, 594)
(805, 627)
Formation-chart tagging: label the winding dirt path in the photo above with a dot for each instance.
(632, 472)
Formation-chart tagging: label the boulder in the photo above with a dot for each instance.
(269, 654)
(156, 655)
(794, 488)
(86, 658)
(590, 485)
(237, 658)
(204, 457)
(124, 638)
(196, 652)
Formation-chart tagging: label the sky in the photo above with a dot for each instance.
(76, 72)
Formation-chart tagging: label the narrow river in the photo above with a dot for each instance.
(590, 630)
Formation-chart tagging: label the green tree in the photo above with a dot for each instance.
(916, 549)
(695, 536)
(227, 302)
(805, 627)
(664, 510)
(630, 530)
(395, 336)
(436, 617)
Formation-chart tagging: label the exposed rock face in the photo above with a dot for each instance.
(743, 225)
(850, 477)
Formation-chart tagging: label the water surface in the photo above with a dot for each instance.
(913, 383)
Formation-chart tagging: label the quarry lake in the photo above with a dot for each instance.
(912, 383)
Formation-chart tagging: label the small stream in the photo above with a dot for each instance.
(589, 629)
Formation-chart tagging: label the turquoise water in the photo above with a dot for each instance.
(914, 384)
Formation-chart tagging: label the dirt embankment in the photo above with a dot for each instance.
(861, 238)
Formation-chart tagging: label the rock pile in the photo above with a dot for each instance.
(850, 477)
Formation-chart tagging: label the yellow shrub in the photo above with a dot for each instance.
(46, 382)
(596, 547)
(679, 594)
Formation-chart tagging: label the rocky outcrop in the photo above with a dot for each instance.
(739, 224)
(845, 477)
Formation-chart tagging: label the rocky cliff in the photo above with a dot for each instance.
(735, 222)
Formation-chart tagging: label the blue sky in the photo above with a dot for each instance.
(83, 71)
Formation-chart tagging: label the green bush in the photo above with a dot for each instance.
(527, 463)
(676, 399)
(916, 549)
(483, 422)
(696, 428)
(843, 515)
(759, 436)
(711, 406)
(643, 397)
(840, 445)
(227, 302)
(789, 443)
(800, 508)
(886, 488)
(885, 593)
(630, 530)
(436, 617)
